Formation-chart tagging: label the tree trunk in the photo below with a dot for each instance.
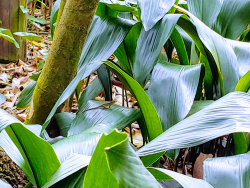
(13, 19)
(61, 65)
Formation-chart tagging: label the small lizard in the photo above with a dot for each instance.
(108, 104)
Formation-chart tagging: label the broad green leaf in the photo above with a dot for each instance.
(37, 25)
(198, 105)
(38, 155)
(115, 116)
(35, 76)
(244, 83)
(153, 10)
(53, 16)
(176, 83)
(28, 36)
(24, 10)
(2, 98)
(185, 181)
(38, 20)
(227, 115)
(206, 11)
(233, 18)
(6, 34)
(148, 110)
(222, 53)
(127, 167)
(104, 30)
(74, 163)
(105, 176)
(89, 93)
(64, 121)
(149, 47)
(242, 52)
(216, 171)
(25, 98)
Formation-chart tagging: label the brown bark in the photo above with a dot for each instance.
(14, 20)
(61, 65)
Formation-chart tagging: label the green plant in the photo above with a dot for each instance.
(7, 35)
(136, 33)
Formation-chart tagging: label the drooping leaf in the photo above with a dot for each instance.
(149, 46)
(121, 6)
(233, 18)
(215, 171)
(25, 97)
(28, 36)
(153, 10)
(245, 37)
(127, 167)
(185, 181)
(24, 10)
(6, 34)
(74, 163)
(148, 110)
(38, 20)
(105, 78)
(102, 28)
(227, 115)
(64, 121)
(89, 93)
(115, 116)
(206, 11)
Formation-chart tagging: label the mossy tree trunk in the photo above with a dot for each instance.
(61, 64)
(14, 20)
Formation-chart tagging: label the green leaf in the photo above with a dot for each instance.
(89, 93)
(147, 51)
(224, 116)
(53, 16)
(153, 10)
(185, 181)
(102, 28)
(24, 10)
(178, 84)
(35, 76)
(227, 23)
(245, 37)
(215, 171)
(147, 108)
(6, 34)
(105, 78)
(38, 155)
(244, 83)
(127, 167)
(37, 25)
(179, 44)
(38, 20)
(2, 98)
(115, 116)
(25, 98)
(199, 105)
(117, 5)
(74, 163)
(206, 11)
(64, 121)
(28, 36)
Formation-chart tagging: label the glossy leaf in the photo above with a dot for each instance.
(38, 20)
(176, 83)
(89, 93)
(235, 171)
(121, 6)
(244, 83)
(105, 78)
(148, 110)
(24, 10)
(153, 10)
(64, 121)
(227, 115)
(149, 46)
(115, 116)
(102, 28)
(127, 167)
(185, 181)
(25, 97)
(74, 163)
(28, 36)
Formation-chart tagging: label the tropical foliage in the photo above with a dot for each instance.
(211, 66)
